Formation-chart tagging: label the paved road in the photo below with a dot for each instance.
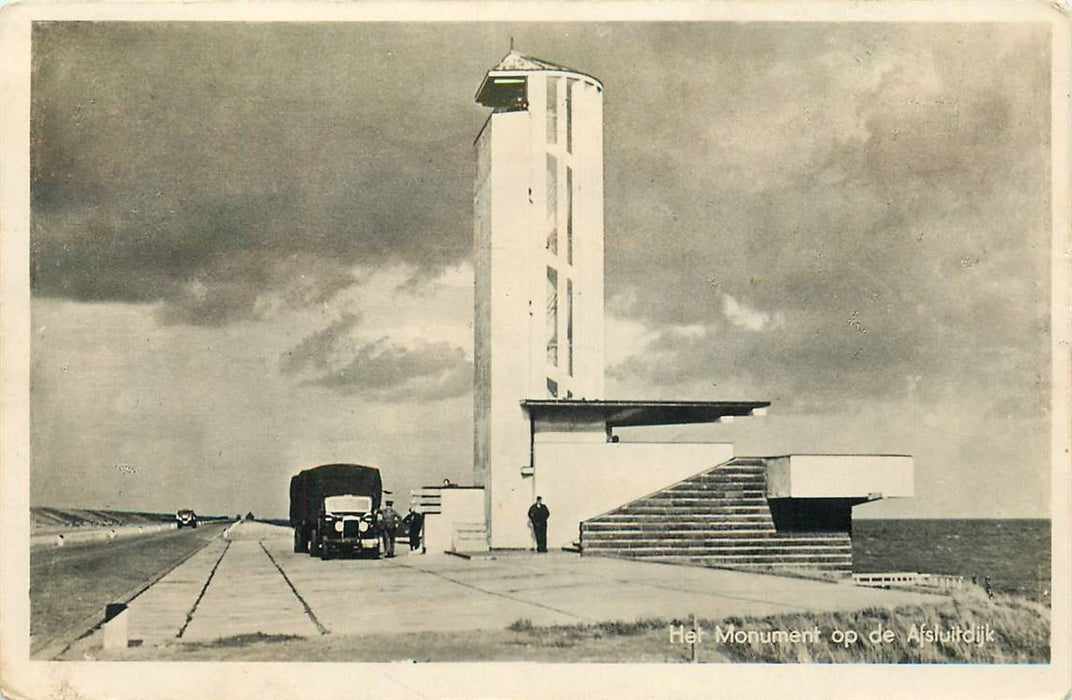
(70, 586)
(251, 582)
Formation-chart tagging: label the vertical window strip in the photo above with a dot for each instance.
(552, 317)
(552, 204)
(569, 114)
(569, 215)
(552, 110)
(569, 326)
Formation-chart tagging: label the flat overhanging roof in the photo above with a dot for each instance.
(621, 414)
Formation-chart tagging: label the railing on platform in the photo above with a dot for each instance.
(908, 578)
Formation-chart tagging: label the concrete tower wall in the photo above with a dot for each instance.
(504, 338)
(538, 259)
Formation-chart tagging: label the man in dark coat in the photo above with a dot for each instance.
(388, 522)
(538, 515)
(415, 522)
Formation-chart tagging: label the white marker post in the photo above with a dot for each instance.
(115, 626)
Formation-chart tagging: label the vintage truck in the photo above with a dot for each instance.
(333, 510)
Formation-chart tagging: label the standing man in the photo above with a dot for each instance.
(388, 527)
(415, 522)
(538, 514)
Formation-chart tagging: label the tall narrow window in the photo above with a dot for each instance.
(552, 204)
(569, 114)
(552, 317)
(552, 110)
(569, 326)
(569, 215)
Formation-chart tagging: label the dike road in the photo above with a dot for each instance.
(248, 581)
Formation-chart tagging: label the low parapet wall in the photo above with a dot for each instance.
(839, 476)
(102, 534)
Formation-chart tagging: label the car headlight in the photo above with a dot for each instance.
(338, 526)
(362, 526)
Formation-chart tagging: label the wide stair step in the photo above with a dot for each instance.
(749, 557)
(746, 512)
(592, 538)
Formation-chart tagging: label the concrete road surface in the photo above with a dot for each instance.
(71, 585)
(252, 582)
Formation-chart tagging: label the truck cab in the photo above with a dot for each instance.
(346, 523)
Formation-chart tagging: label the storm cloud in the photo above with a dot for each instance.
(221, 169)
(874, 200)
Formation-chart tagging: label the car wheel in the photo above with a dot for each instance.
(325, 551)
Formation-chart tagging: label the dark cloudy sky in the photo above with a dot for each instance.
(250, 248)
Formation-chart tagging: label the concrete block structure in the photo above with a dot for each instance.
(542, 424)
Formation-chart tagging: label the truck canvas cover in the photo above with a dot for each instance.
(308, 488)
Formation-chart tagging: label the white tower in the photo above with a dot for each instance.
(538, 258)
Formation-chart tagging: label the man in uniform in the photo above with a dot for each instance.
(414, 520)
(538, 514)
(388, 522)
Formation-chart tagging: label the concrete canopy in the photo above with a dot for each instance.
(626, 413)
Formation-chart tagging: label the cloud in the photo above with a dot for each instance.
(740, 315)
(316, 352)
(391, 372)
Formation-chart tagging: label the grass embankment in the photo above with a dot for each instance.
(1020, 634)
(1006, 630)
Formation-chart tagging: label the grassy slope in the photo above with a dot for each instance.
(1021, 631)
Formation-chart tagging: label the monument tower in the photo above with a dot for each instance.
(541, 422)
(538, 256)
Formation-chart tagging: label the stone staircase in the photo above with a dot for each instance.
(719, 517)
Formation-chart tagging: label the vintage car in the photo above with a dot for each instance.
(186, 518)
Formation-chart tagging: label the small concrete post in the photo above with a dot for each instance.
(115, 626)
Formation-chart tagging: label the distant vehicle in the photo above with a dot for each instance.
(249, 516)
(186, 518)
(333, 509)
